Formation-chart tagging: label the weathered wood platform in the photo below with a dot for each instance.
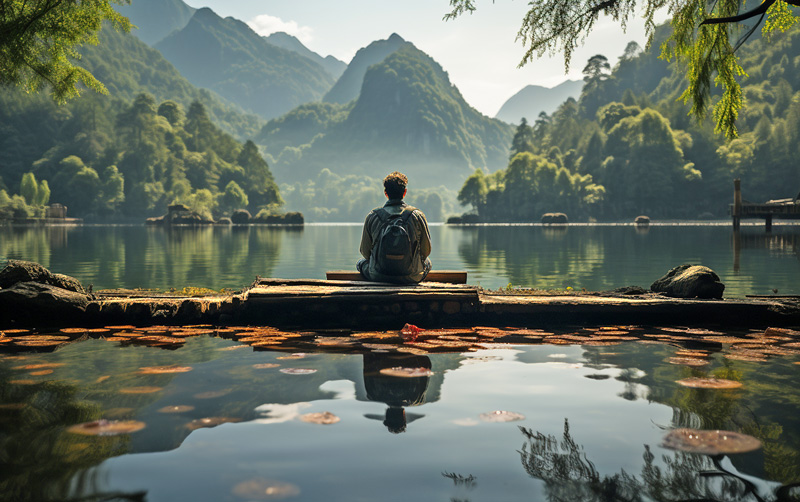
(308, 304)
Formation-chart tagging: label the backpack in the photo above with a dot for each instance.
(396, 246)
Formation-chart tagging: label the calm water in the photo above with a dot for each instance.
(590, 425)
(591, 257)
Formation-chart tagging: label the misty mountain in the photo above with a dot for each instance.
(155, 19)
(348, 86)
(332, 65)
(534, 99)
(226, 56)
(408, 117)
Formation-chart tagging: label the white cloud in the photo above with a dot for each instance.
(266, 25)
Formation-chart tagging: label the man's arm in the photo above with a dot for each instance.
(366, 239)
(424, 234)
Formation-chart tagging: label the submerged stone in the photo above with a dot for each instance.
(710, 442)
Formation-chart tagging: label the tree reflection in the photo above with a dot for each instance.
(569, 475)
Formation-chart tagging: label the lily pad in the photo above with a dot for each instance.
(144, 389)
(157, 370)
(265, 489)
(209, 422)
(324, 418)
(501, 416)
(297, 371)
(178, 408)
(687, 361)
(404, 372)
(709, 383)
(107, 427)
(710, 442)
(266, 366)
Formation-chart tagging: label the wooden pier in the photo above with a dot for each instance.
(788, 209)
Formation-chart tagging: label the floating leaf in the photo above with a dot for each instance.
(687, 361)
(157, 370)
(297, 371)
(40, 372)
(501, 416)
(178, 408)
(265, 489)
(266, 366)
(324, 418)
(107, 427)
(144, 389)
(709, 383)
(213, 393)
(713, 442)
(753, 357)
(209, 422)
(39, 366)
(404, 372)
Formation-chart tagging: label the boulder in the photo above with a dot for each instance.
(17, 271)
(689, 281)
(23, 271)
(33, 303)
(642, 221)
(241, 217)
(224, 221)
(555, 218)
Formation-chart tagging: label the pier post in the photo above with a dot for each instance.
(737, 203)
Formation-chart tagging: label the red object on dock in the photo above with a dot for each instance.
(410, 332)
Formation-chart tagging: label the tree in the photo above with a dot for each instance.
(701, 39)
(523, 139)
(39, 41)
(29, 188)
(474, 190)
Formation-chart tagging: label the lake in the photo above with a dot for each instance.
(595, 257)
(579, 420)
(579, 413)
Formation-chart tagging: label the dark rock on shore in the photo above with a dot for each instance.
(555, 218)
(689, 281)
(290, 218)
(18, 271)
(178, 214)
(642, 221)
(241, 217)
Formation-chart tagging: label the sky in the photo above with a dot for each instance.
(478, 50)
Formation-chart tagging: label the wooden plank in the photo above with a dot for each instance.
(449, 276)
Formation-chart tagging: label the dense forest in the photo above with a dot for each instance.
(110, 159)
(629, 147)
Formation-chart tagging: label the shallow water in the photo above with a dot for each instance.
(591, 421)
(595, 257)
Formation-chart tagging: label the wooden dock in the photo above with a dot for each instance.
(780, 208)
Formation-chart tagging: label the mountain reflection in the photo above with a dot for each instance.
(569, 475)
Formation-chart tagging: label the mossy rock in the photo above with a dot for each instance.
(689, 281)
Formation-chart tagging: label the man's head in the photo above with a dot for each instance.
(395, 185)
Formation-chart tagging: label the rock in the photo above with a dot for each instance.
(224, 221)
(32, 303)
(18, 271)
(690, 281)
(241, 217)
(630, 290)
(555, 218)
(23, 271)
(642, 221)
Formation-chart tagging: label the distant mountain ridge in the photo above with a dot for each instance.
(155, 19)
(534, 99)
(348, 86)
(227, 56)
(332, 65)
(408, 117)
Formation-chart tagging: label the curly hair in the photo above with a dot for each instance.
(395, 184)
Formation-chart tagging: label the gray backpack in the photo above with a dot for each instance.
(396, 246)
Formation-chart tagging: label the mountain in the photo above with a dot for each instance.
(155, 19)
(228, 57)
(348, 86)
(408, 117)
(534, 99)
(127, 66)
(332, 65)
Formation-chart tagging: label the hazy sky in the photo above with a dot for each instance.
(478, 51)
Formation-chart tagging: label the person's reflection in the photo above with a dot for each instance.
(397, 392)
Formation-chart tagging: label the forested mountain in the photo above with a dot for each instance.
(332, 65)
(226, 56)
(155, 19)
(629, 147)
(408, 117)
(348, 86)
(532, 100)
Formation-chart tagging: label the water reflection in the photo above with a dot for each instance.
(568, 475)
(397, 392)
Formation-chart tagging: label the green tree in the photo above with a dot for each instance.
(474, 190)
(43, 194)
(701, 39)
(523, 139)
(234, 197)
(39, 41)
(29, 188)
